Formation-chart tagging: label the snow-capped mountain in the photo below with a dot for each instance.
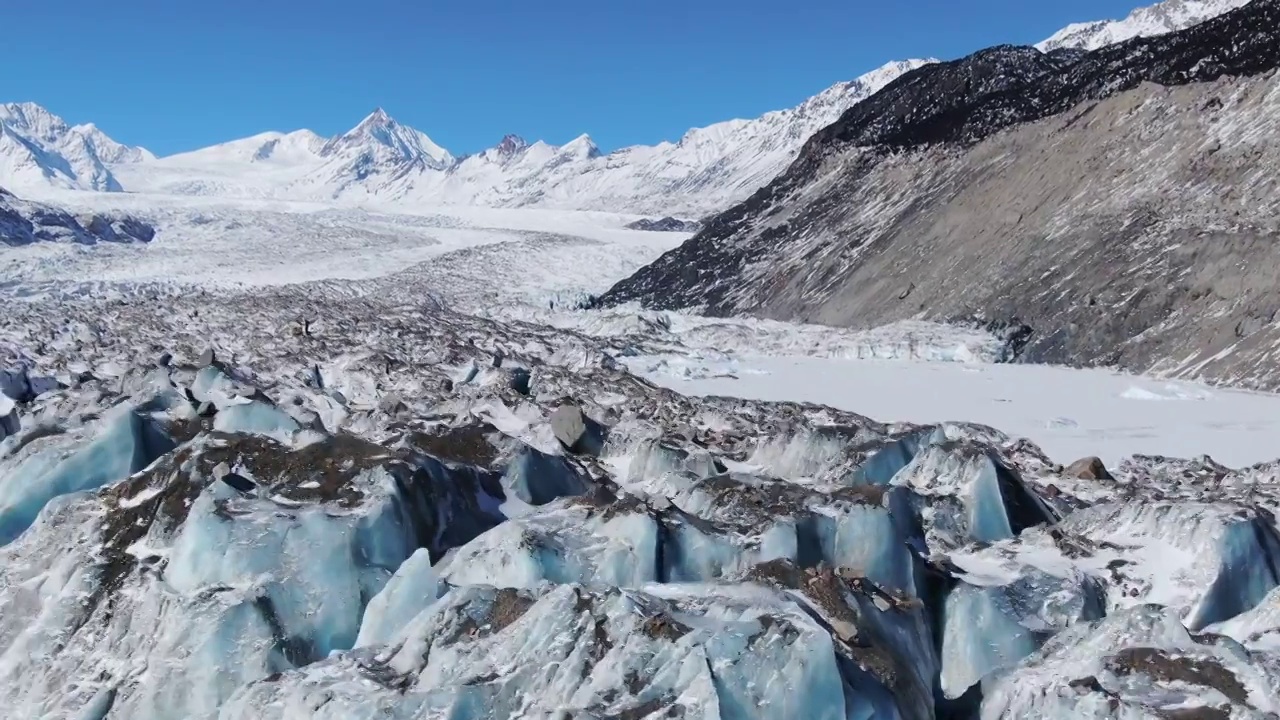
(38, 148)
(383, 161)
(1157, 19)
(383, 140)
(1078, 198)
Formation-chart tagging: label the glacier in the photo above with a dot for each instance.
(299, 460)
(253, 543)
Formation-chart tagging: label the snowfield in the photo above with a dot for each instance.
(1069, 413)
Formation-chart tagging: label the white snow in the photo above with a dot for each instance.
(1146, 21)
(381, 162)
(220, 243)
(1070, 413)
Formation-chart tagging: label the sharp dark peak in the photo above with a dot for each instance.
(511, 145)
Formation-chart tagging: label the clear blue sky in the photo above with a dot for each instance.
(174, 75)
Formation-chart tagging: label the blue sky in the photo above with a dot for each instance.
(175, 75)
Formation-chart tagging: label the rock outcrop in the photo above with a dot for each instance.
(23, 222)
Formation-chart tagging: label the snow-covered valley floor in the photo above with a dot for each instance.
(293, 462)
(1070, 413)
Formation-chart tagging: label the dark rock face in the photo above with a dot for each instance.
(666, 224)
(23, 223)
(1100, 198)
(511, 146)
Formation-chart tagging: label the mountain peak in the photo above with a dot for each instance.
(378, 117)
(33, 119)
(372, 123)
(582, 146)
(511, 146)
(385, 140)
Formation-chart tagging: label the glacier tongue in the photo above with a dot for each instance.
(384, 522)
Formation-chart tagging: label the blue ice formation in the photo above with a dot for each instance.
(127, 442)
(989, 628)
(538, 478)
(880, 468)
(314, 570)
(481, 652)
(1249, 569)
(256, 418)
(412, 588)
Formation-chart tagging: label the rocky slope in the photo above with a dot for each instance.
(274, 506)
(23, 222)
(1114, 205)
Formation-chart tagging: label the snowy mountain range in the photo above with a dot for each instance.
(383, 161)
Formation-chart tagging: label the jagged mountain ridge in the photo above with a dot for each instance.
(1115, 202)
(1155, 19)
(38, 148)
(380, 160)
(705, 170)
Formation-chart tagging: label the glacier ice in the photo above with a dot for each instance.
(1141, 662)
(987, 628)
(487, 653)
(538, 478)
(423, 550)
(972, 495)
(256, 417)
(414, 586)
(126, 442)
(1249, 556)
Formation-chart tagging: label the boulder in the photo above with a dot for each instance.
(1090, 468)
(392, 404)
(577, 432)
(238, 482)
